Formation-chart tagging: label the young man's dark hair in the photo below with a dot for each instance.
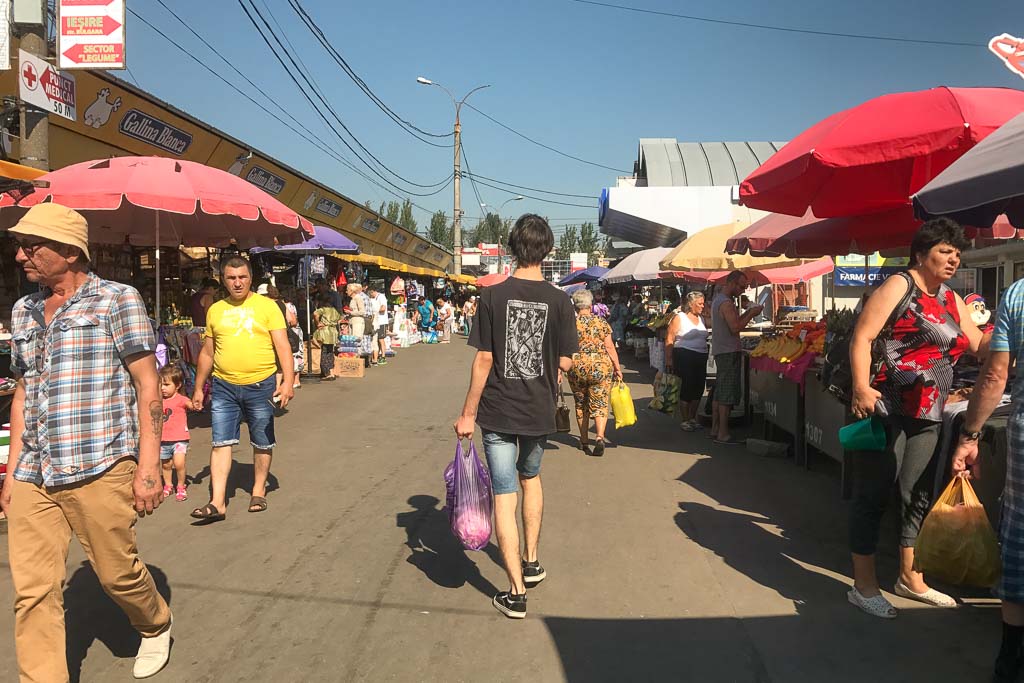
(938, 231)
(531, 240)
(235, 262)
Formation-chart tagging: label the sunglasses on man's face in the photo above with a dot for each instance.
(31, 246)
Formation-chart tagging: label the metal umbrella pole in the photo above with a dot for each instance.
(157, 316)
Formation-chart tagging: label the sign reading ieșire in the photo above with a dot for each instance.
(91, 34)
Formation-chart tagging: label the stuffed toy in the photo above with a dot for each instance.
(979, 312)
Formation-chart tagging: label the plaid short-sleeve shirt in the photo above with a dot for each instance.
(81, 412)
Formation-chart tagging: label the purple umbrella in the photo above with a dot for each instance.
(589, 275)
(326, 239)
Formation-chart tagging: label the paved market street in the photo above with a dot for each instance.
(668, 559)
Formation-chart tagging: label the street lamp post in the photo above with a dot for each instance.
(457, 210)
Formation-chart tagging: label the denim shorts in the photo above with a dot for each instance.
(253, 403)
(169, 448)
(509, 454)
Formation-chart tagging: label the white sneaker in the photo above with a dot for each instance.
(153, 654)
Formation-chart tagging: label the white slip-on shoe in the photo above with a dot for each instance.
(929, 597)
(877, 606)
(153, 654)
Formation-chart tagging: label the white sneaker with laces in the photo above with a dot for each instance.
(153, 654)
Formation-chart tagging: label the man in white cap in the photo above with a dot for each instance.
(83, 458)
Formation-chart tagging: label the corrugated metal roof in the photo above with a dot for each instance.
(664, 162)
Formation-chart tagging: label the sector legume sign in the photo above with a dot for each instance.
(91, 34)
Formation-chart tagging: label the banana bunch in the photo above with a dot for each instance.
(782, 348)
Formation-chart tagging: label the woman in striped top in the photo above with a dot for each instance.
(908, 394)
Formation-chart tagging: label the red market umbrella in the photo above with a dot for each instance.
(148, 201)
(786, 275)
(491, 280)
(808, 236)
(872, 157)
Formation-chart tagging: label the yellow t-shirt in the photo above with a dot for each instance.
(243, 352)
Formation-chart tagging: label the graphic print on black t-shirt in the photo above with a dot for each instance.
(525, 324)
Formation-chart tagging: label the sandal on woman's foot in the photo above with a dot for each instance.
(168, 490)
(687, 426)
(877, 606)
(209, 513)
(598, 448)
(929, 597)
(181, 494)
(257, 504)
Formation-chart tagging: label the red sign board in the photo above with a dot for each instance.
(95, 54)
(1010, 50)
(88, 26)
(91, 34)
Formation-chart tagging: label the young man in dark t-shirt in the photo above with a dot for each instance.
(524, 333)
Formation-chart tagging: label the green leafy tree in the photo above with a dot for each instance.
(568, 242)
(590, 242)
(393, 212)
(490, 230)
(406, 219)
(440, 230)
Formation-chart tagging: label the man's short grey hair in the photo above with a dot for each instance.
(582, 299)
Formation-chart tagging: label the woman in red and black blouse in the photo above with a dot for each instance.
(908, 393)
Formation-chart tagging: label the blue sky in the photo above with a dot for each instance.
(587, 80)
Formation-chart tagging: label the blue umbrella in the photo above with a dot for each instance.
(589, 275)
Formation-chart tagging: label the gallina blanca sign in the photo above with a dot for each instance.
(144, 127)
(262, 178)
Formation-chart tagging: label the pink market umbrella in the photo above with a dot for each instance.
(808, 236)
(155, 201)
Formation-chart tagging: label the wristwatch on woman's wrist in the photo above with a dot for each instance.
(969, 436)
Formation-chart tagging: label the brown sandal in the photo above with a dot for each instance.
(208, 512)
(257, 504)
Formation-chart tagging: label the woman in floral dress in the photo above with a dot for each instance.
(593, 369)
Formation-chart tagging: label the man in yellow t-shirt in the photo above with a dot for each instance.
(245, 334)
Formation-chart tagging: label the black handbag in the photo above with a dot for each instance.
(837, 374)
(562, 420)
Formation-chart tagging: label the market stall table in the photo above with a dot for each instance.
(782, 404)
(824, 416)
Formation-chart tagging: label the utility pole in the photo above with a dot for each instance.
(457, 209)
(35, 122)
(457, 218)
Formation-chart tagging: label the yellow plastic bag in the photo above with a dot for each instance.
(622, 405)
(956, 543)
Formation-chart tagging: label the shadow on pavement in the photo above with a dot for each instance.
(435, 550)
(241, 478)
(92, 616)
(921, 645)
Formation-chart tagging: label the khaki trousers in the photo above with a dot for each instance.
(100, 511)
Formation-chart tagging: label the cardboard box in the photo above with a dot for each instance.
(348, 366)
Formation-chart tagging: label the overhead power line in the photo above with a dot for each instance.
(318, 33)
(541, 144)
(291, 73)
(785, 29)
(539, 199)
(532, 189)
(307, 135)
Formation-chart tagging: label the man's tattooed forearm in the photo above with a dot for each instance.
(156, 416)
